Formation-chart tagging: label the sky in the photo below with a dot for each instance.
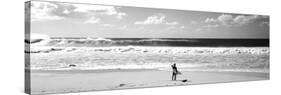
(88, 20)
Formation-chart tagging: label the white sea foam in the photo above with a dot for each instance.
(163, 50)
(248, 59)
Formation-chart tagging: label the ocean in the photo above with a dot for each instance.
(231, 55)
(178, 42)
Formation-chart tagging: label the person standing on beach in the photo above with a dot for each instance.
(175, 71)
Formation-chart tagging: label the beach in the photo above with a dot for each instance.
(75, 69)
(54, 81)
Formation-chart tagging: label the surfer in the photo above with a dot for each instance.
(175, 71)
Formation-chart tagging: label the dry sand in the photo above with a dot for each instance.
(46, 82)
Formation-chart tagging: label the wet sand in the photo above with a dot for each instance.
(65, 81)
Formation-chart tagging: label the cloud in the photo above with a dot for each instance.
(265, 23)
(241, 19)
(108, 10)
(225, 19)
(121, 15)
(66, 12)
(156, 19)
(41, 11)
(99, 10)
(124, 27)
(93, 20)
(210, 20)
(230, 20)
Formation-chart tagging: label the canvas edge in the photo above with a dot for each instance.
(27, 77)
(27, 84)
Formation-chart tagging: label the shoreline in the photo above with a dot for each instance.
(127, 70)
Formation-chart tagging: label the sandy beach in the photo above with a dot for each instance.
(79, 69)
(54, 81)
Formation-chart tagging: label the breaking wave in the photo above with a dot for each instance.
(242, 59)
(235, 55)
(37, 39)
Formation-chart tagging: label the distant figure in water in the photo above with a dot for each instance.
(175, 71)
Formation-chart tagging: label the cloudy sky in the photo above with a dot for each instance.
(85, 20)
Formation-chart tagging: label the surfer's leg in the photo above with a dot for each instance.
(174, 76)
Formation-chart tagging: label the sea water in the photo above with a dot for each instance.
(235, 55)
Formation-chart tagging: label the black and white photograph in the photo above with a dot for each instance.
(82, 47)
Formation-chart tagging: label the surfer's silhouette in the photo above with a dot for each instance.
(175, 71)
